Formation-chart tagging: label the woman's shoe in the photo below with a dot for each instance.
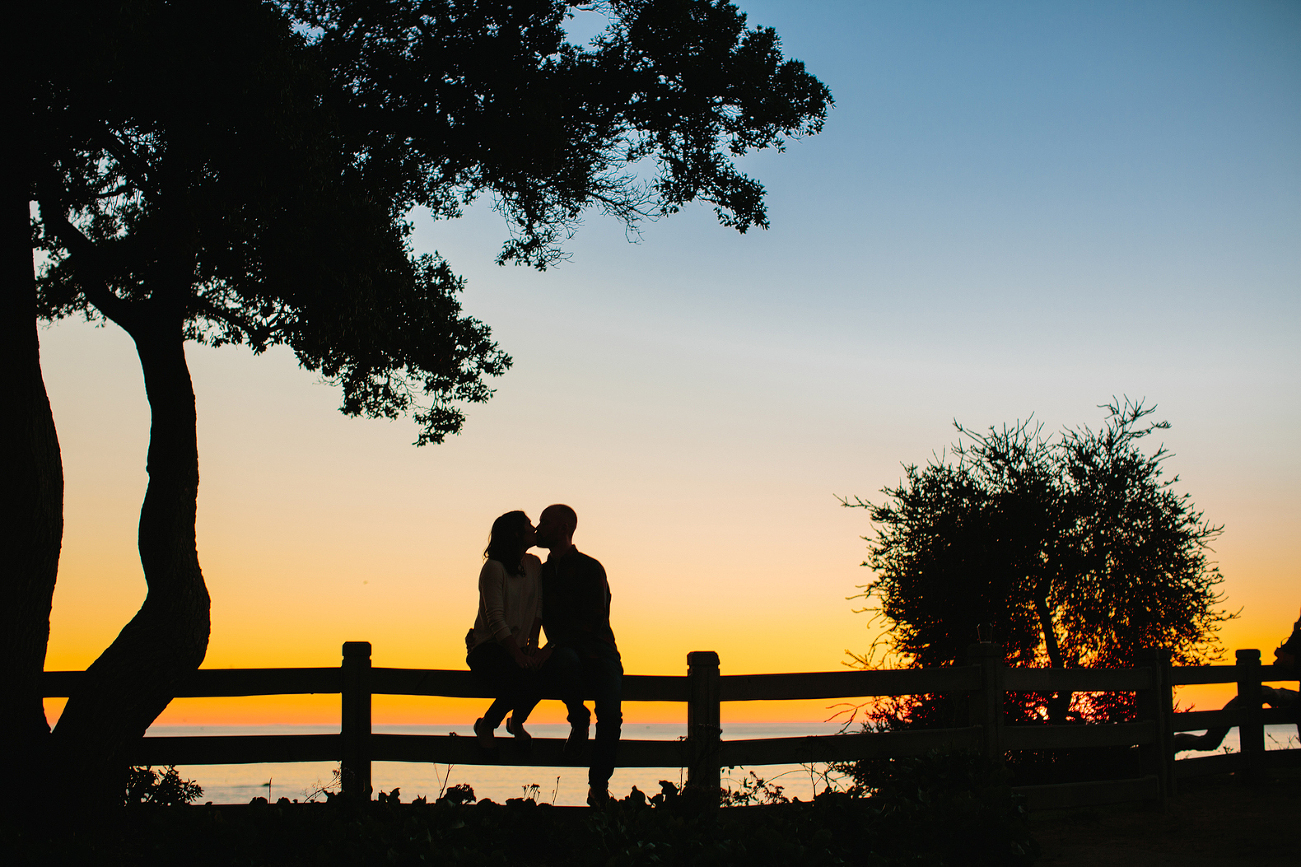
(483, 735)
(517, 730)
(523, 740)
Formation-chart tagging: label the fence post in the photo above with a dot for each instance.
(1166, 695)
(985, 708)
(1251, 734)
(703, 721)
(1155, 757)
(354, 770)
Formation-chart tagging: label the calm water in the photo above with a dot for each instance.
(238, 784)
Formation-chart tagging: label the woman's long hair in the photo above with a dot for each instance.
(506, 541)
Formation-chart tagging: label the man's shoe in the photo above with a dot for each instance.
(575, 742)
(598, 797)
(484, 737)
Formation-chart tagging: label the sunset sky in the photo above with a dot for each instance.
(1015, 208)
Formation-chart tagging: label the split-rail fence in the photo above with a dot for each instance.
(703, 752)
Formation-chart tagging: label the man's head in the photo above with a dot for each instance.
(556, 527)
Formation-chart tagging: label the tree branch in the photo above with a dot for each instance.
(90, 277)
(256, 336)
(131, 163)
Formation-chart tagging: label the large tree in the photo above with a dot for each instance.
(244, 173)
(193, 185)
(1073, 550)
(31, 472)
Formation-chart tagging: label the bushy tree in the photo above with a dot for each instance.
(1069, 551)
(245, 173)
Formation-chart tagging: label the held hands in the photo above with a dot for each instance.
(531, 658)
(528, 657)
(522, 657)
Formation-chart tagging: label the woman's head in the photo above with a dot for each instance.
(512, 535)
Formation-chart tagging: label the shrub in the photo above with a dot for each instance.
(954, 808)
(943, 811)
(144, 786)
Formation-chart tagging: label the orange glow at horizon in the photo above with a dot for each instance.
(317, 710)
(323, 710)
(1004, 235)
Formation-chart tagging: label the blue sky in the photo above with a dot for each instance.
(1015, 208)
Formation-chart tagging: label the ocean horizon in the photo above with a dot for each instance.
(563, 785)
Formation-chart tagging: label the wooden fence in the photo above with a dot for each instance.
(985, 681)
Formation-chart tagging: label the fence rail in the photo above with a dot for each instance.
(985, 681)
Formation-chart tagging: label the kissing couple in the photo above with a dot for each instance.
(568, 597)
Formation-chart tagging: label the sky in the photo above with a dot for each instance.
(1014, 209)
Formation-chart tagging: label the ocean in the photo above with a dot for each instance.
(565, 786)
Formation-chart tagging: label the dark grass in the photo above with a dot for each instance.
(1218, 821)
(945, 811)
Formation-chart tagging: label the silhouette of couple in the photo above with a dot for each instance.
(569, 597)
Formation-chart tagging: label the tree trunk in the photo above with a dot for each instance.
(1059, 702)
(140, 672)
(31, 477)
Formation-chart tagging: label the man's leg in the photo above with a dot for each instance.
(605, 680)
(564, 677)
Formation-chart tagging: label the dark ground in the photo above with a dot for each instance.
(1212, 822)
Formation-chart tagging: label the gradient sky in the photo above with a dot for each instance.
(1015, 208)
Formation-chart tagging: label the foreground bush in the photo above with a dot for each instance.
(937, 811)
(147, 787)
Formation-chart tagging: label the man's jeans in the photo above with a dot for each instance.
(594, 670)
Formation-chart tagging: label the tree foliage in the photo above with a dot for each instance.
(252, 167)
(247, 173)
(460, 99)
(1073, 550)
(197, 181)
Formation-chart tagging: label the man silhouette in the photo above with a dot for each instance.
(580, 656)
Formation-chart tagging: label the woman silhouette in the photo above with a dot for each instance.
(499, 647)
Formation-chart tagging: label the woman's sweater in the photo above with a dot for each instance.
(508, 604)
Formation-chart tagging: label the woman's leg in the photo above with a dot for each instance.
(496, 712)
(520, 712)
(491, 663)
